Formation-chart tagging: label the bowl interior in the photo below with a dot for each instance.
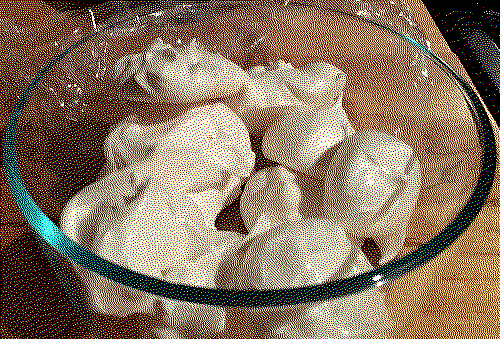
(392, 86)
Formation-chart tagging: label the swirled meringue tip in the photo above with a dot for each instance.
(311, 136)
(372, 186)
(185, 74)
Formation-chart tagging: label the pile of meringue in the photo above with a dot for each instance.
(163, 185)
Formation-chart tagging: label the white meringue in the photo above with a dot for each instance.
(317, 84)
(189, 73)
(315, 249)
(304, 138)
(319, 242)
(148, 207)
(301, 253)
(295, 253)
(202, 126)
(87, 219)
(270, 82)
(223, 174)
(339, 112)
(211, 127)
(201, 321)
(264, 87)
(270, 197)
(361, 315)
(108, 297)
(275, 194)
(167, 221)
(264, 90)
(130, 142)
(372, 187)
(87, 215)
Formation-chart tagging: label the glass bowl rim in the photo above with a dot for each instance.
(51, 234)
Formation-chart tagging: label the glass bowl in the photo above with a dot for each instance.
(395, 84)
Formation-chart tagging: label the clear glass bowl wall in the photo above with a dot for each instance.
(392, 86)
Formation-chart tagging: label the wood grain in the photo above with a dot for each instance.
(464, 299)
(432, 328)
(457, 294)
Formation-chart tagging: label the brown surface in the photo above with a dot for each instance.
(457, 295)
(454, 296)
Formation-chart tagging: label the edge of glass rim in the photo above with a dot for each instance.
(51, 234)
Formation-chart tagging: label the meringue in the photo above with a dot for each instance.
(300, 253)
(314, 123)
(211, 127)
(276, 194)
(185, 74)
(202, 126)
(318, 84)
(85, 221)
(372, 186)
(270, 196)
(163, 185)
(108, 297)
(148, 207)
(201, 321)
(167, 221)
(87, 215)
(292, 253)
(360, 315)
(295, 253)
(304, 138)
(263, 91)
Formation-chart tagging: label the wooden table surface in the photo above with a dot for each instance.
(457, 295)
